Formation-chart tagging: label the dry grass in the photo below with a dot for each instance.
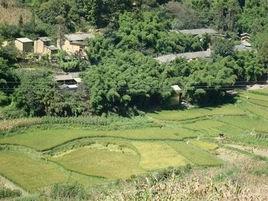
(7, 125)
(204, 185)
(12, 14)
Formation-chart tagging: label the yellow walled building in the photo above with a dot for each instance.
(75, 43)
(24, 44)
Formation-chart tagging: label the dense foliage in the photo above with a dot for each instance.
(127, 80)
(121, 75)
(8, 78)
(39, 95)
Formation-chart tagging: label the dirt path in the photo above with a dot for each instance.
(257, 86)
(256, 151)
(10, 185)
(257, 185)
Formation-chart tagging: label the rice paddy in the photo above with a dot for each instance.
(35, 158)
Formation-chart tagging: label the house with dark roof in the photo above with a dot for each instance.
(68, 80)
(75, 43)
(43, 46)
(188, 56)
(197, 32)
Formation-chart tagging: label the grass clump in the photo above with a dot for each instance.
(261, 171)
(8, 193)
(68, 192)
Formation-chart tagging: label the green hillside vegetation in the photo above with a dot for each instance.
(119, 136)
(120, 74)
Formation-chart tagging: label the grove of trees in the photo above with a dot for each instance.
(121, 75)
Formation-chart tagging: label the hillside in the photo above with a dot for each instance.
(12, 14)
(133, 100)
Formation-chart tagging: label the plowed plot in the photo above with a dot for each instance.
(101, 161)
(158, 155)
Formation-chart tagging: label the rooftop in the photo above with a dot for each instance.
(176, 88)
(242, 47)
(69, 76)
(44, 39)
(78, 36)
(188, 55)
(24, 40)
(52, 47)
(246, 43)
(197, 31)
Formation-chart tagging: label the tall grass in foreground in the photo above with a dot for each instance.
(6, 193)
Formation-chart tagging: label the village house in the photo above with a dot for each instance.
(245, 39)
(24, 44)
(42, 46)
(75, 43)
(69, 81)
(245, 44)
(188, 56)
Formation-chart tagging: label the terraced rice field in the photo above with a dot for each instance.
(35, 158)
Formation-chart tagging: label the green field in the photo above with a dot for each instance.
(37, 157)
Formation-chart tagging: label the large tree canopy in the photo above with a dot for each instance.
(125, 81)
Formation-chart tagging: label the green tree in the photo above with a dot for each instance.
(223, 47)
(36, 93)
(125, 82)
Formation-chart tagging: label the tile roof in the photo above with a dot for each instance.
(197, 31)
(78, 36)
(52, 47)
(44, 39)
(188, 55)
(242, 47)
(69, 76)
(24, 40)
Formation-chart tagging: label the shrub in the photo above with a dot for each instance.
(68, 191)
(8, 193)
(4, 100)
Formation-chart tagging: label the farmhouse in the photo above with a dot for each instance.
(43, 46)
(75, 43)
(68, 81)
(197, 32)
(245, 44)
(24, 44)
(188, 56)
(40, 44)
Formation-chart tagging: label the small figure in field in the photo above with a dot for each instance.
(221, 135)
